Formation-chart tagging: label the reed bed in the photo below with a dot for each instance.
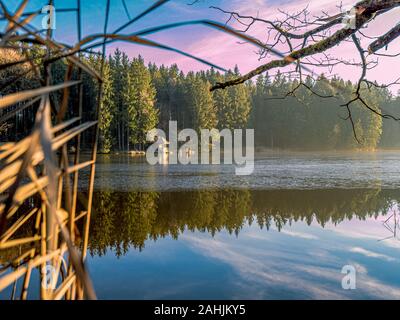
(39, 175)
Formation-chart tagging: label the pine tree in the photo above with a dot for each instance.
(237, 115)
(222, 101)
(118, 78)
(201, 103)
(146, 117)
(107, 111)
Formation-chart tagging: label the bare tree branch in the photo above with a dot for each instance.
(364, 11)
(384, 40)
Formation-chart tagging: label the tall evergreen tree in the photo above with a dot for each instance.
(201, 102)
(107, 112)
(239, 107)
(146, 117)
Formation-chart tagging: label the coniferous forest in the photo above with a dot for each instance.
(138, 97)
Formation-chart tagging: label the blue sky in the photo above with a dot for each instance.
(93, 13)
(209, 44)
(188, 38)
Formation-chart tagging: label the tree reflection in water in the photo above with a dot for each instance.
(127, 219)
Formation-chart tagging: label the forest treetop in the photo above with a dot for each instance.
(138, 97)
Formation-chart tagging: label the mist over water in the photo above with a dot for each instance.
(284, 170)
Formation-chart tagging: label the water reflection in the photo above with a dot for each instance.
(242, 244)
(128, 219)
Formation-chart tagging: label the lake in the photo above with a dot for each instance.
(286, 232)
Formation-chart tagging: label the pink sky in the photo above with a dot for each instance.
(225, 51)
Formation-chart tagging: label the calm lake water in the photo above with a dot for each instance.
(277, 171)
(286, 232)
(200, 232)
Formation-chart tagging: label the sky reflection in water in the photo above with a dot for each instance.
(241, 244)
(179, 232)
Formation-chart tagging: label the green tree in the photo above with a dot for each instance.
(202, 104)
(146, 117)
(235, 109)
(107, 112)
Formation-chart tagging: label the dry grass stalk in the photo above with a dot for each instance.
(30, 173)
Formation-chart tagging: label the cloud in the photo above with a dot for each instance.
(371, 254)
(369, 228)
(364, 282)
(299, 234)
(263, 268)
(260, 272)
